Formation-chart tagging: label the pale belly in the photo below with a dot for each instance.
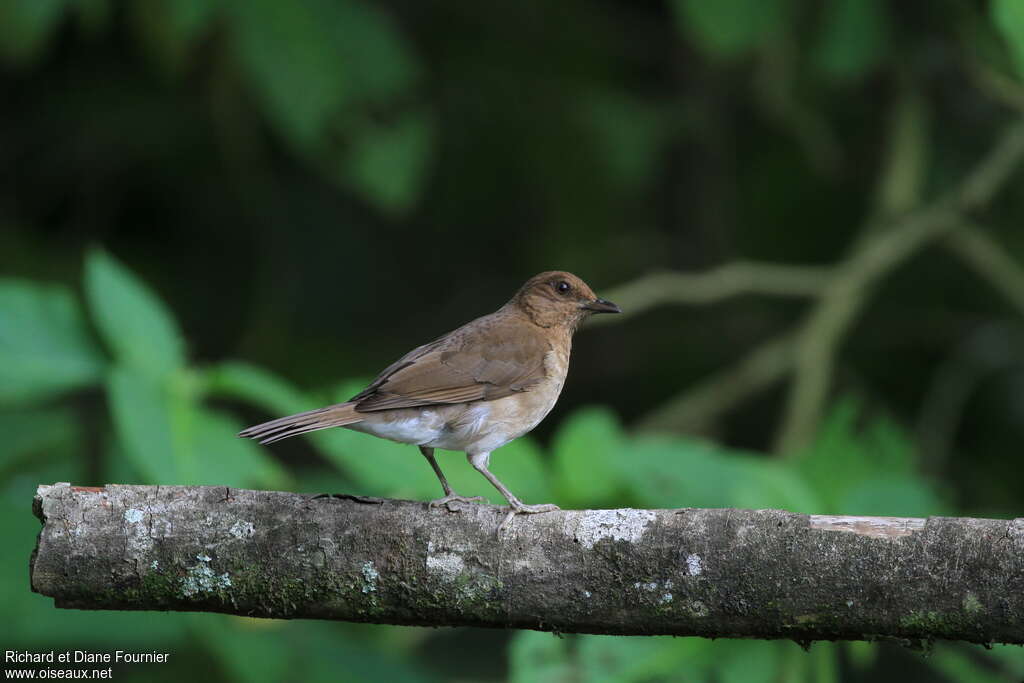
(477, 427)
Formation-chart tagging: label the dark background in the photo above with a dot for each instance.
(312, 188)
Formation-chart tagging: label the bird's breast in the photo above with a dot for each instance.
(477, 426)
(489, 425)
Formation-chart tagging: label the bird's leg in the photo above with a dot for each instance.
(449, 495)
(516, 507)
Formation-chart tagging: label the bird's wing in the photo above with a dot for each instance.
(487, 359)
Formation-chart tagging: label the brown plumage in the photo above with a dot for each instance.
(474, 389)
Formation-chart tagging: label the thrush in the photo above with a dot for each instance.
(474, 389)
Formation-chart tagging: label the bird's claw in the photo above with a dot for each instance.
(454, 498)
(518, 508)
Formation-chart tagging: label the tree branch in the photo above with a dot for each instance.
(839, 293)
(977, 248)
(696, 410)
(873, 258)
(715, 573)
(714, 285)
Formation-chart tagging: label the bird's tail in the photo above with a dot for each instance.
(332, 416)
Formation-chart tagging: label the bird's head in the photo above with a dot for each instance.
(559, 299)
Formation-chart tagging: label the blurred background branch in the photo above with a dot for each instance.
(871, 260)
(990, 261)
(715, 285)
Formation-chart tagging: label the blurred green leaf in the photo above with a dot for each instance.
(323, 69)
(728, 28)
(171, 438)
(35, 434)
(26, 26)
(1010, 658)
(94, 16)
(747, 661)
(377, 466)
(1008, 16)
(890, 496)
(387, 163)
(861, 654)
(169, 29)
(763, 483)
(144, 410)
(366, 658)
(334, 649)
(866, 464)
(256, 386)
(837, 455)
(588, 449)
(956, 663)
(672, 473)
(249, 649)
(620, 659)
(44, 346)
(535, 656)
(381, 64)
(853, 38)
(135, 324)
(824, 658)
(630, 133)
(118, 466)
(223, 459)
(989, 48)
(292, 62)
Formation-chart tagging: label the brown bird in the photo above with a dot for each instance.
(475, 389)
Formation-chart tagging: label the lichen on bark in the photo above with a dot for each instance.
(714, 573)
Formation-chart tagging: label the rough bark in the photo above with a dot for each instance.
(716, 573)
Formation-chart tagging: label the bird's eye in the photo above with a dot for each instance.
(562, 286)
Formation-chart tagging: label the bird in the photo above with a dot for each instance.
(474, 389)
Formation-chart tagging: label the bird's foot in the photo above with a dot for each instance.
(518, 508)
(454, 498)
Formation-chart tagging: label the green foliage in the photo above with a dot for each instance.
(387, 162)
(44, 347)
(319, 70)
(163, 431)
(631, 151)
(729, 28)
(254, 385)
(170, 29)
(600, 135)
(293, 62)
(866, 469)
(610, 659)
(134, 323)
(958, 665)
(30, 434)
(589, 450)
(144, 411)
(26, 26)
(853, 38)
(535, 656)
(677, 472)
(307, 62)
(1008, 16)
